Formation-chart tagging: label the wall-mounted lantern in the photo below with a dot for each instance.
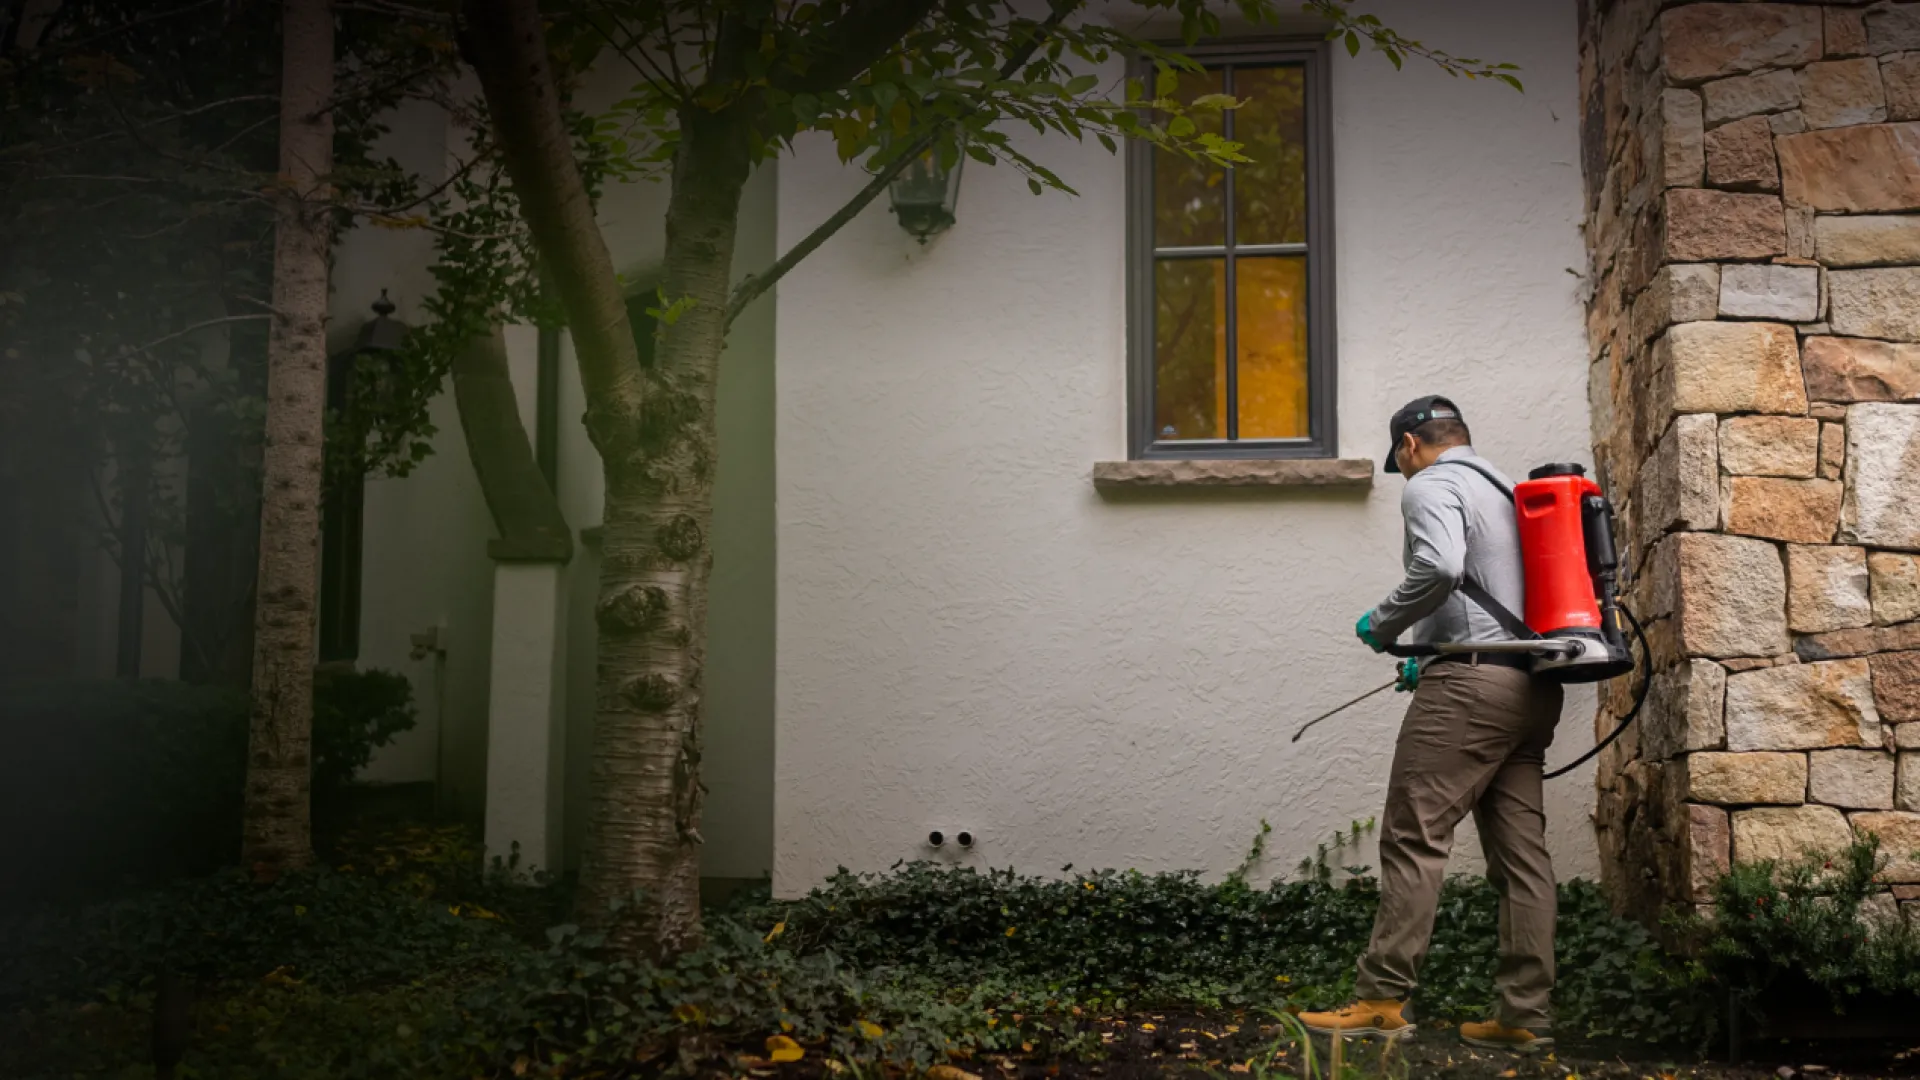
(925, 193)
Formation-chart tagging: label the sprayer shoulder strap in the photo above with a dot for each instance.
(1511, 623)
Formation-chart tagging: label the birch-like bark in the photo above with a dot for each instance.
(276, 834)
(653, 427)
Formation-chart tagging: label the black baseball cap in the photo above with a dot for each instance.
(1412, 415)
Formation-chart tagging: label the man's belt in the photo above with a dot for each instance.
(1516, 661)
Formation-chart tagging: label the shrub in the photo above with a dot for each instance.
(320, 928)
(355, 713)
(121, 782)
(130, 782)
(1808, 919)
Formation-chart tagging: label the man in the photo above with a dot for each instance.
(1474, 739)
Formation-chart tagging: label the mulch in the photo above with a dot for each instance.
(1224, 1046)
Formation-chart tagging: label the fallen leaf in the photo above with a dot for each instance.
(948, 1072)
(688, 1013)
(780, 1048)
(868, 1028)
(1148, 1027)
(778, 929)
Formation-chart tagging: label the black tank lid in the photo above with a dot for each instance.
(1559, 468)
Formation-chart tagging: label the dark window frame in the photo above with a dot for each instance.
(1322, 440)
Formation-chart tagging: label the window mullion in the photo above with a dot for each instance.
(1229, 309)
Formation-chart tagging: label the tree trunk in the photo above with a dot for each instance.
(276, 835)
(653, 427)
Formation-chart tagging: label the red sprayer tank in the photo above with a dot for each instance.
(1560, 587)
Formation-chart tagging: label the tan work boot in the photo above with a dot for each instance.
(1385, 1018)
(1493, 1035)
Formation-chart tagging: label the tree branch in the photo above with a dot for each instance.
(863, 35)
(197, 327)
(753, 286)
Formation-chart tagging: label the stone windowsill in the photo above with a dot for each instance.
(1265, 473)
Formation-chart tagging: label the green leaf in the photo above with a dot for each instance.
(1180, 127)
(1353, 43)
(1080, 84)
(1034, 185)
(1107, 141)
(1165, 83)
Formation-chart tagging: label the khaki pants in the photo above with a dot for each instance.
(1474, 739)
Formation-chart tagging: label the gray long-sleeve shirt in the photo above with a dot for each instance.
(1457, 523)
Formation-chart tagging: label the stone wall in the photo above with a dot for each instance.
(1753, 222)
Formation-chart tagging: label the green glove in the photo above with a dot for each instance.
(1409, 675)
(1364, 630)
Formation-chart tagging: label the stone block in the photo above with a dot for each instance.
(1800, 232)
(1906, 736)
(1709, 849)
(1785, 833)
(1899, 834)
(1855, 170)
(1732, 367)
(1706, 41)
(1879, 303)
(1744, 779)
(1896, 693)
(1797, 511)
(1880, 910)
(1860, 369)
(1892, 27)
(1851, 779)
(1895, 578)
(1833, 450)
(1867, 239)
(1684, 710)
(1826, 589)
(1860, 641)
(1846, 31)
(1906, 789)
(1728, 595)
(1680, 481)
(1703, 225)
(1750, 95)
(1828, 412)
(1900, 76)
(1787, 123)
(1803, 707)
(1684, 292)
(1839, 93)
(1682, 139)
(1883, 445)
(1770, 291)
(1740, 155)
(1770, 445)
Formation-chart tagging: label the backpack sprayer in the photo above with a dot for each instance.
(1573, 626)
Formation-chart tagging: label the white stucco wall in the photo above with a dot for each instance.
(424, 562)
(971, 638)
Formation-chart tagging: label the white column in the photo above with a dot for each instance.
(526, 714)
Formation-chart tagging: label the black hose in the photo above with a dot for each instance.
(1646, 681)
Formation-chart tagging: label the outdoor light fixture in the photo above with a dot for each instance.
(381, 336)
(924, 194)
(383, 333)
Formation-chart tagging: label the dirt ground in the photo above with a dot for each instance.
(1221, 1048)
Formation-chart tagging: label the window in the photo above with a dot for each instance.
(1252, 376)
